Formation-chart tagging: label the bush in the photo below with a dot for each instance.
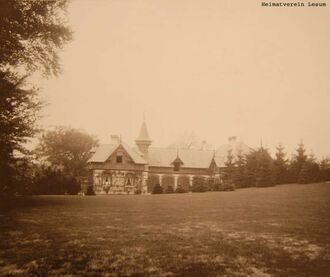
(90, 190)
(199, 184)
(49, 181)
(157, 189)
(169, 189)
(227, 187)
(180, 189)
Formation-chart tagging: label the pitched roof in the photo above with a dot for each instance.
(236, 147)
(164, 157)
(191, 158)
(143, 135)
(104, 151)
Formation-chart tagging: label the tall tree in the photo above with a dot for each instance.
(229, 170)
(239, 177)
(259, 165)
(31, 33)
(297, 162)
(324, 169)
(280, 169)
(309, 171)
(66, 149)
(18, 114)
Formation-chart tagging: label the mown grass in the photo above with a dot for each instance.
(277, 231)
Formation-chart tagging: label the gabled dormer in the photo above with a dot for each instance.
(177, 163)
(213, 166)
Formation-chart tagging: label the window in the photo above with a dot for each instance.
(176, 166)
(119, 159)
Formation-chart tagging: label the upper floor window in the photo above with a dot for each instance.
(119, 159)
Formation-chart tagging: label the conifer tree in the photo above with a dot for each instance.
(324, 174)
(229, 171)
(259, 169)
(309, 171)
(297, 163)
(280, 169)
(239, 177)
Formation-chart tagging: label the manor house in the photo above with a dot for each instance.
(118, 168)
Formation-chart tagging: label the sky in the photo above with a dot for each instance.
(216, 68)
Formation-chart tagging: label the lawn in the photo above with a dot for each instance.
(277, 231)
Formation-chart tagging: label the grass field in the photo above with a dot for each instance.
(277, 231)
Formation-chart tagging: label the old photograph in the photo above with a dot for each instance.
(164, 138)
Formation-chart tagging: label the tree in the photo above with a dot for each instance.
(189, 140)
(18, 114)
(280, 170)
(31, 34)
(297, 163)
(259, 168)
(239, 177)
(229, 170)
(67, 149)
(324, 170)
(309, 171)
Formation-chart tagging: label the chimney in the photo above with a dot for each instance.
(203, 145)
(232, 139)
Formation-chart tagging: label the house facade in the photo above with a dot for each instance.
(118, 168)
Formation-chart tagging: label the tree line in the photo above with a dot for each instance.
(259, 169)
(31, 35)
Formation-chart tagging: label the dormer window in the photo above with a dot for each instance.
(119, 158)
(177, 164)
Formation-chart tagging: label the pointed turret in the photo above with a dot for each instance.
(143, 141)
(143, 135)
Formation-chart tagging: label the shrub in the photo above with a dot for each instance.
(90, 190)
(199, 184)
(169, 189)
(180, 189)
(157, 189)
(50, 181)
(227, 187)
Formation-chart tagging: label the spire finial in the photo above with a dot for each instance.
(261, 146)
(144, 116)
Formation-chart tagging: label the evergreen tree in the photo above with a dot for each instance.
(259, 168)
(239, 176)
(324, 174)
(280, 169)
(229, 170)
(309, 172)
(297, 163)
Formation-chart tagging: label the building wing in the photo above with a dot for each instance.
(191, 158)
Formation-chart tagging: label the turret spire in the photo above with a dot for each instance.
(143, 140)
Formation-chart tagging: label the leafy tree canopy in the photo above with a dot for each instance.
(67, 149)
(31, 32)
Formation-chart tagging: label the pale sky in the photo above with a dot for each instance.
(215, 67)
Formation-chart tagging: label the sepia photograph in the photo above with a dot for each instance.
(165, 138)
